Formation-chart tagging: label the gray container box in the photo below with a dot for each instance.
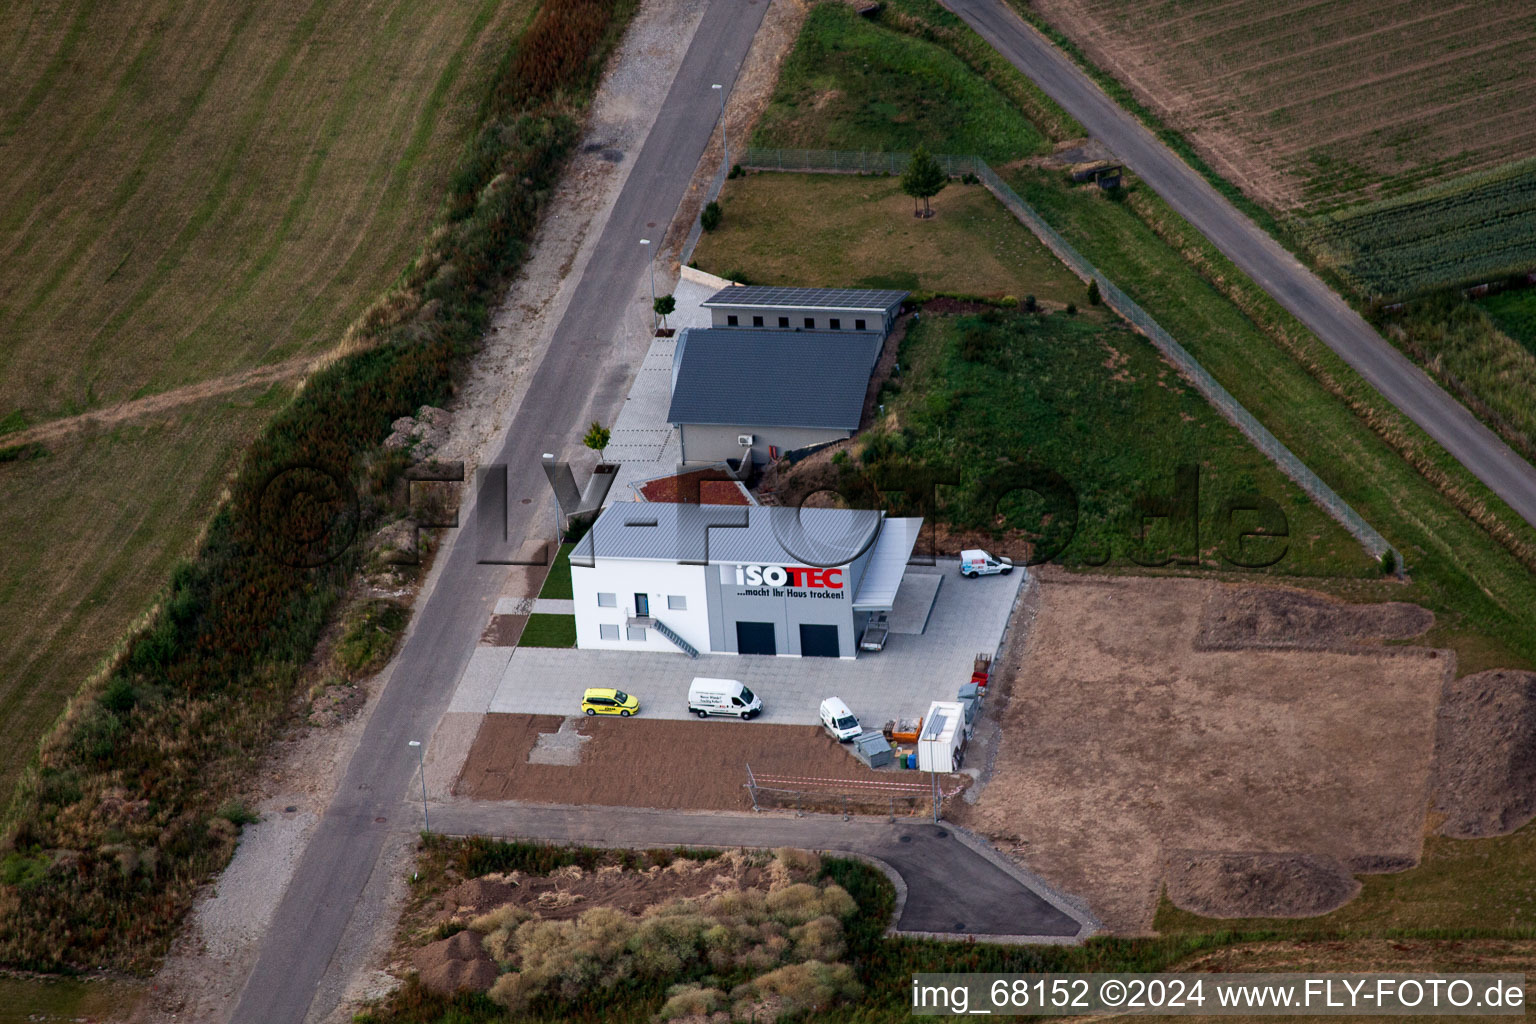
(872, 749)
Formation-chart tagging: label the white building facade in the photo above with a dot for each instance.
(736, 580)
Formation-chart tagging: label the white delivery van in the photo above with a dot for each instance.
(722, 697)
(839, 720)
(941, 744)
(976, 562)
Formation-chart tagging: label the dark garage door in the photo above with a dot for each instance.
(819, 642)
(755, 638)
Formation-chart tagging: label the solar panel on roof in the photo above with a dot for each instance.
(806, 298)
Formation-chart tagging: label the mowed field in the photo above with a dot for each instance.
(1324, 103)
(192, 191)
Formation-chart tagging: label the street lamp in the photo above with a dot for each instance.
(647, 242)
(725, 145)
(422, 765)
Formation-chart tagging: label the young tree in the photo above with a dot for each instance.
(665, 304)
(923, 179)
(1093, 291)
(597, 438)
(711, 215)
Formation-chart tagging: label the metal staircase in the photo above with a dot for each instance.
(681, 644)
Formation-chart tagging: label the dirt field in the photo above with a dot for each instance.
(1126, 747)
(1324, 104)
(643, 762)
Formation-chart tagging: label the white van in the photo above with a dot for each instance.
(722, 697)
(976, 562)
(839, 720)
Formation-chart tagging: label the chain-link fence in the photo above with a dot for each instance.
(859, 162)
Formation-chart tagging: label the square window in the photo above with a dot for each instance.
(858, 325)
(635, 633)
(607, 600)
(810, 323)
(835, 324)
(607, 631)
(730, 320)
(677, 602)
(757, 321)
(783, 321)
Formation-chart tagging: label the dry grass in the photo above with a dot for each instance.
(835, 230)
(193, 190)
(1330, 103)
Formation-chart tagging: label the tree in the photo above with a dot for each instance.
(1093, 291)
(923, 179)
(664, 305)
(711, 215)
(597, 438)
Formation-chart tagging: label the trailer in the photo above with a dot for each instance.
(876, 632)
(941, 744)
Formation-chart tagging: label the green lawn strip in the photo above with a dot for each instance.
(927, 19)
(544, 630)
(1458, 568)
(1096, 403)
(852, 84)
(842, 230)
(557, 585)
(1513, 312)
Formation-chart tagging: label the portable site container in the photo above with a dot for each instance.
(941, 745)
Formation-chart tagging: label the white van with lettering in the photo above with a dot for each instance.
(722, 697)
(976, 562)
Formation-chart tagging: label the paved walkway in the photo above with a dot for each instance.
(949, 883)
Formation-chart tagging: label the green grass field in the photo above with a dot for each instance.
(1096, 403)
(193, 190)
(557, 585)
(543, 630)
(850, 84)
(844, 231)
(1514, 313)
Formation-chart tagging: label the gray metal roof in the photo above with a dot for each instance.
(772, 297)
(749, 378)
(732, 534)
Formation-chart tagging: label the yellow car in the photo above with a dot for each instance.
(604, 701)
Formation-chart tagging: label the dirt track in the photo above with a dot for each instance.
(1123, 743)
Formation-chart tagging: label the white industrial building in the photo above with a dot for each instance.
(806, 309)
(736, 579)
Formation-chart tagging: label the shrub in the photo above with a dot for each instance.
(1093, 291)
(1071, 309)
(1030, 305)
(691, 1000)
(369, 638)
(805, 988)
(711, 215)
(736, 171)
(237, 814)
(1388, 562)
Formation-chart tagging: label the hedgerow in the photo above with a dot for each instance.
(118, 822)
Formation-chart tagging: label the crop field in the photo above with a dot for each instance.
(841, 230)
(1326, 103)
(192, 191)
(1469, 230)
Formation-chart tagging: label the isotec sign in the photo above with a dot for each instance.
(788, 576)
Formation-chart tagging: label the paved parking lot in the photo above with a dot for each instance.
(968, 618)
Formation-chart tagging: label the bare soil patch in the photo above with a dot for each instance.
(1123, 740)
(458, 963)
(640, 762)
(1285, 618)
(1258, 884)
(1485, 754)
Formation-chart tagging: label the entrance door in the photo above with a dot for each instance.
(755, 638)
(819, 642)
(642, 606)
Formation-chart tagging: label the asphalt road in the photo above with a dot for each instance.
(951, 888)
(1258, 255)
(328, 884)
